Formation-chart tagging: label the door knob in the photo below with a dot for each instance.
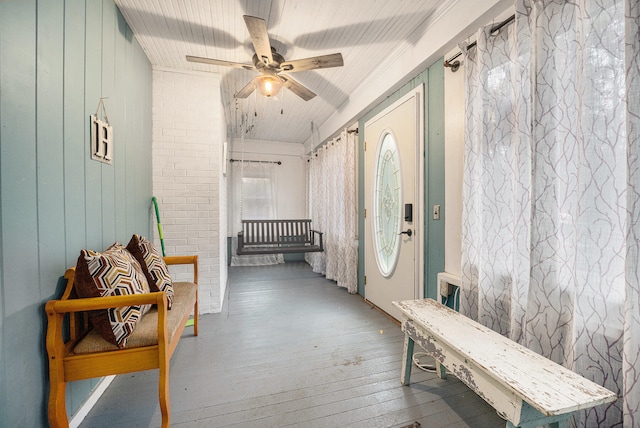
(407, 232)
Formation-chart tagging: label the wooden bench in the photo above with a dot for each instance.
(524, 387)
(87, 355)
(278, 236)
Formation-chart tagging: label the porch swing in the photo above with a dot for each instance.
(278, 236)
(260, 236)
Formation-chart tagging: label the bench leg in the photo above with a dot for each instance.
(195, 318)
(531, 418)
(441, 370)
(58, 405)
(560, 424)
(407, 359)
(164, 393)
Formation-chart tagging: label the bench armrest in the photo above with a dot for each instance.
(181, 260)
(319, 238)
(184, 260)
(240, 240)
(94, 303)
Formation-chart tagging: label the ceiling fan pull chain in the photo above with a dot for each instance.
(242, 128)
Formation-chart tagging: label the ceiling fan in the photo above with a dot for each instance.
(272, 65)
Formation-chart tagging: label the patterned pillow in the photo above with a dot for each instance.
(153, 266)
(112, 273)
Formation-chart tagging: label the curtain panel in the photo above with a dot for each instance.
(253, 197)
(551, 209)
(333, 210)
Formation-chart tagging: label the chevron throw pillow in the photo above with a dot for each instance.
(153, 266)
(113, 272)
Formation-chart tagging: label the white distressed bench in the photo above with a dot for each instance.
(526, 388)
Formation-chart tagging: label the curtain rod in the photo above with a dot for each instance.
(455, 65)
(255, 161)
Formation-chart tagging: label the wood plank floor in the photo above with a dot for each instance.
(290, 348)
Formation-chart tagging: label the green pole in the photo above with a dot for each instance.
(155, 204)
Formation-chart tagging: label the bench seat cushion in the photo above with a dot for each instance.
(145, 333)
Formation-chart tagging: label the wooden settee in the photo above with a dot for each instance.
(278, 236)
(85, 354)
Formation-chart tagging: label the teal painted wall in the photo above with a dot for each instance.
(433, 80)
(57, 58)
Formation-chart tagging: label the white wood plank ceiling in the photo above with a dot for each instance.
(366, 32)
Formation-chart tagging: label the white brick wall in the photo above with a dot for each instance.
(188, 135)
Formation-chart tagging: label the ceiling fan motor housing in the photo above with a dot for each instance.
(261, 63)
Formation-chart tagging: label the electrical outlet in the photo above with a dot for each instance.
(445, 289)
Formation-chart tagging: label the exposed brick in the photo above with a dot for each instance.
(188, 128)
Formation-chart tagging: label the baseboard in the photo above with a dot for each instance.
(378, 308)
(91, 400)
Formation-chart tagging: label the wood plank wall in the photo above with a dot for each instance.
(56, 60)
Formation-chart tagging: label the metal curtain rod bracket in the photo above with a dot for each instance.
(455, 65)
(254, 161)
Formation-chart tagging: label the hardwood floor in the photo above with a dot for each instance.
(290, 348)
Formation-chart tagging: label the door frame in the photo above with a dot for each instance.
(419, 214)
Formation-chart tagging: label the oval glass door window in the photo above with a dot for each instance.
(387, 197)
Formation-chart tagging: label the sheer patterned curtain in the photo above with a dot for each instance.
(333, 206)
(551, 210)
(253, 196)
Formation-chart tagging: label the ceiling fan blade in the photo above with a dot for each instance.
(212, 61)
(247, 89)
(257, 28)
(323, 61)
(297, 88)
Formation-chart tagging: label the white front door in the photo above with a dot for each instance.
(394, 203)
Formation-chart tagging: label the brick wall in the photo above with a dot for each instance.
(188, 135)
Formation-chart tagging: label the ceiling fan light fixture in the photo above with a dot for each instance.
(269, 86)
